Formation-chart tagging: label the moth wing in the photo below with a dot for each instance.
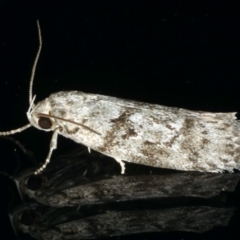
(125, 103)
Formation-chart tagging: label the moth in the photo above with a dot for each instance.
(137, 132)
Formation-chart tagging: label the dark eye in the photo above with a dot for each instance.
(44, 122)
(33, 182)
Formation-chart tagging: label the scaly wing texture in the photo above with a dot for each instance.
(150, 134)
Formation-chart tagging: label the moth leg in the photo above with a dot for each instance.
(122, 165)
(89, 149)
(53, 145)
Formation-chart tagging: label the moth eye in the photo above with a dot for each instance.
(33, 182)
(44, 122)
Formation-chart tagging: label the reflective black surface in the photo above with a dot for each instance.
(83, 196)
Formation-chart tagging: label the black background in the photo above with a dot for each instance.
(175, 53)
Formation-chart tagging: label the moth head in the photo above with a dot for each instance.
(39, 117)
(48, 118)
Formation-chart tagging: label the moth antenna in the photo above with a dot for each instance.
(11, 132)
(67, 120)
(31, 107)
(35, 63)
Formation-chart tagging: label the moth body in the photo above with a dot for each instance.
(143, 133)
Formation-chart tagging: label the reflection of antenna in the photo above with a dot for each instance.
(18, 180)
(10, 191)
(28, 153)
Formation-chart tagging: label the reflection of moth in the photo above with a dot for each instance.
(84, 179)
(98, 222)
(138, 132)
(80, 196)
